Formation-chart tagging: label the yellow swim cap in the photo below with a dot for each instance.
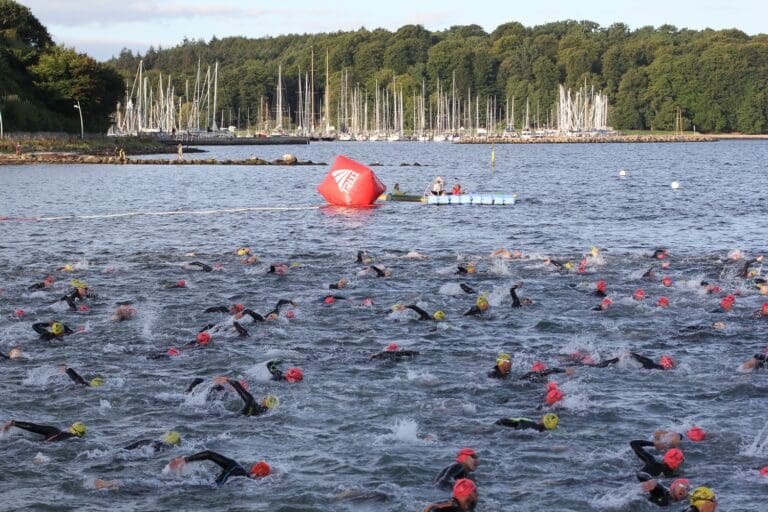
(77, 429)
(503, 357)
(172, 437)
(96, 382)
(482, 303)
(270, 401)
(57, 328)
(68, 267)
(76, 283)
(595, 251)
(243, 251)
(550, 420)
(568, 265)
(295, 264)
(701, 495)
(438, 315)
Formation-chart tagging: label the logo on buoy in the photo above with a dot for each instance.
(345, 179)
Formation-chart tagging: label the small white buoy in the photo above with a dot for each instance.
(289, 158)
(622, 173)
(675, 185)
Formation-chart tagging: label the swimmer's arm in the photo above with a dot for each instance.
(515, 299)
(647, 363)
(206, 268)
(214, 457)
(217, 309)
(379, 272)
(637, 447)
(245, 395)
(256, 317)
(423, 315)
(241, 331)
(76, 377)
(196, 382)
(43, 430)
(41, 328)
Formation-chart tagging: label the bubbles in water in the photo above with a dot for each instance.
(40, 376)
(405, 430)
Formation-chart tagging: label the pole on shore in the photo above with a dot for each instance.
(80, 110)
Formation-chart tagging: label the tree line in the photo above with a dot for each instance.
(41, 82)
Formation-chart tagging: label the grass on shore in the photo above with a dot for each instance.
(91, 145)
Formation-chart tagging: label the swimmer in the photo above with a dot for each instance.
(539, 372)
(169, 440)
(466, 288)
(338, 285)
(13, 353)
(292, 375)
(234, 309)
(45, 283)
(649, 275)
(181, 283)
(660, 254)
(463, 498)
(456, 190)
(746, 273)
(469, 268)
(559, 265)
(547, 422)
(604, 305)
(80, 292)
(516, 302)
(665, 362)
(51, 330)
(466, 462)
(600, 289)
(480, 307)
(279, 269)
(243, 251)
(197, 265)
(702, 499)
(502, 368)
(330, 299)
(671, 462)
(380, 270)
(393, 353)
(364, 258)
(123, 313)
(665, 439)
(423, 315)
(659, 495)
(415, 255)
(251, 407)
(710, 288)
(762, 312)
(95, 382)
(501, 253)
(51, 434)
(229, 467)
(757, 362)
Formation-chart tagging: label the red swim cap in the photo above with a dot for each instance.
(237, 308)
(538, 366)
(173, 352)
(464, 453)
(727, 304)
(764, 471)
(715, 289)
(666, 281)
(639, 294)
(260, 469)
(600, 285)
(680, 482)
(764, 308)
(83, 308)
(551, 385)
(663, 302)
(19, 313)
(290, 314)
(463, 488)
(674, 458)
(203, 338)
(294, 375)
(329, 300)
(605, 303)
(554, 396)
(367, 301)
(696, 434)
(393, 347)
(181, 283)
(667, 362)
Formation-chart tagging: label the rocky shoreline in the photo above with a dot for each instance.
(75, 158)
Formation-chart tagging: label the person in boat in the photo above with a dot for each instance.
(229, 467)
(502, 368)
(671, 462)
(251, 407)
(437, 186)
(51, 434)
(547, 422)
(393, 353)
(51, 330)
(396, 190)
(466, 462)
(169, 440)
(463, 498)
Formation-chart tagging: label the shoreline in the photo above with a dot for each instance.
(63, 158)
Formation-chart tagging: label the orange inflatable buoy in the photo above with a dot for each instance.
(350, 183)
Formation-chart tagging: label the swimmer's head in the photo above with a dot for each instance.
(538, 366)
(438, 315)
(57, 328)
(294, 375)
(181, 283)
(667, 362)
(639, 294)
(696, 434)
(19, 313)
(203, 338)
(764, 309)
(600, 286)
(719, 325)
(503, 358)
(678, 489)
(554, 396)
(270, 401)
(172, 438)
(329, 300)
(242, 251)
(14, 353)
(550, 420)
(674, 458)
(482, 303)
(666, 281)
(568, 265)
(595, 251)
(260, 470)
(465, 490)
(393, 347)
(236, 308)
(702, 496)
(77, 429)
(77, 283)
(468, 457)
(97, 382)
(172, 352)
(367, 302)
(663, 302)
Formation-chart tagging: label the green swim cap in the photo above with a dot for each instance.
(77, 429)
(172, 437)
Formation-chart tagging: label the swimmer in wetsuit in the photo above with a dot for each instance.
(480, 307)
(464, 498)
(539, 372)
(502, 368)
(292, 375)
(757, 362)
(547, 422)
(672, 460)
(659, 495)
(57, 330)
(702, 499)
(600, 289)
(251, 407)
(79, 292)
(45, 283)
(14, 353)
(423, 315)
(660, 253)
(51, 434)
(745, 270)
(393, 353)
(229, 467)
(466, 462)
(364, 258)
(516, 302)
(169, 440)
(197, 265)
(95, 382)
(469, 268)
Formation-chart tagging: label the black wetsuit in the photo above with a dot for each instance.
(423, 315)
(462, 270)
(363, 257)
(394, 355)
(541, 375)
(203, 266)
(38, 286)
(652, 467)
(448, 476)
(274, 369)
(155, 445)
(251, 407)
(515, 299)
(659, 495)
(217, 309)
(74, 295)
(649, 275)
(496, 373)
(41, 328)
(229, 467)
(599, 293)
(647, 363)
(445, 506)
(762, 361)
(216, 389)
(77, 378)
(745, 268)
(51, 433)
(466, 288)
(474, 311)
(380, 272)
(521, 424)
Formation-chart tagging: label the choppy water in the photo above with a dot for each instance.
(351, 436)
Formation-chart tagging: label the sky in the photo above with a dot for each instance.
(102, 28)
